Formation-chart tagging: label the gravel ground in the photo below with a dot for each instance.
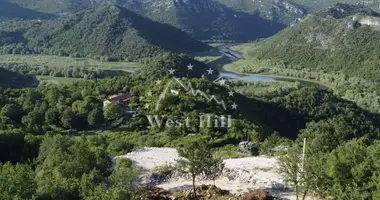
(240, 175)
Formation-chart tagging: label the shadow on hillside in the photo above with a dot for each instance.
(10, 79)
(164, 35)
(11, 10)
(225, 23)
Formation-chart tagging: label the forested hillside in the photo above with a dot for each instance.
(338, 39)
(68, 141)
(205, 20)
(108, 31)
(337, 46)
(34, 123)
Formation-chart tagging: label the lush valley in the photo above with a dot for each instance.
(122, 82)
(321, 47)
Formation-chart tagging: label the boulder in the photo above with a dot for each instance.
(248, 147)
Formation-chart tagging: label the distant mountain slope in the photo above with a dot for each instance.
(105, 31)
(205, 20)
(342, 38)
(9, 79)
(315, 5)
(61, 7)
(284, 11)
(14, 11)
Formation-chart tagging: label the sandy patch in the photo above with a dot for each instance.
(150, 158)
(240, 175)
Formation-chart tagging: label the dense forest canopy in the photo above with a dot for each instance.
(60, 141)
(336, 46)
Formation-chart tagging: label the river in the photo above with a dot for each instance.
(230, 56)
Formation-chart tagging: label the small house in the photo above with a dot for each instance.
(119, 99)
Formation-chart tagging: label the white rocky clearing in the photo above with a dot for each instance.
(240, 175)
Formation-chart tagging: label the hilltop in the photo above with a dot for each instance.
(204, 20)
(108, 30)
(207, 20)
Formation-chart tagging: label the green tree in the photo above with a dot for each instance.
(33, 119)
(62, 163)
(12, 111)
(195, 161)
(17, 181)
(95, 117)
(126, 177)
(112, 111)
(350, 170)
(214, 168)
(52, 117)
(68, 118)
(120, 147)
(291, 170)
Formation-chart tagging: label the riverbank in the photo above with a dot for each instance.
(227, 65)
(231, 69)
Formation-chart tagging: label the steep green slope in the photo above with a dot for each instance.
(337, 47)
(105, 31)
(62, 7)
(9, 79)
(343, 38)
(206, 20)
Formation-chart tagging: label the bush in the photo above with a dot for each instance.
(118, 147)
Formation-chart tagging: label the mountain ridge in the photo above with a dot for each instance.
(107, 30)
(204, 20)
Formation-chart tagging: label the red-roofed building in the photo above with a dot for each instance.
(119, 98)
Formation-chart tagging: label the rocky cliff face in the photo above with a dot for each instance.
(371, 21)
(279, 10)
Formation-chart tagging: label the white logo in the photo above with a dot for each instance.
(210, 120)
